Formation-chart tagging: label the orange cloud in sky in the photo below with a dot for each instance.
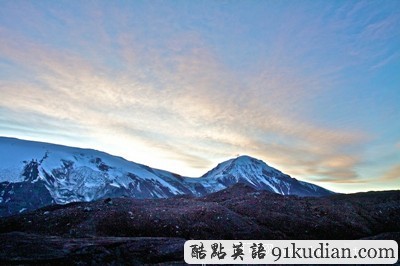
(392, 174)
(192, 103)
(175, 102)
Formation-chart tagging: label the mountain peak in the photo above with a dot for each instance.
(242, 165)
(245, 159)
(67, 174)
(256, 173)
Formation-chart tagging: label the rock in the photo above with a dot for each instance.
(52, 250)
(240, 217)
(87, 209)
(108, 201)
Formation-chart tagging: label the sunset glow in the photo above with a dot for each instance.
(310, 87)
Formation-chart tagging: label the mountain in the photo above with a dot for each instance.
(36, 174)
(259, 175)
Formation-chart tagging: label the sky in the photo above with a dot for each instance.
(310, 87)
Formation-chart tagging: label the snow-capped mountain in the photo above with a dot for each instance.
(259, 175)
(35, 174)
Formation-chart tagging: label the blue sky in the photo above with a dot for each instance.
(310, 87)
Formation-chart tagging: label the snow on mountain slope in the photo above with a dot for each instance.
(256, 173)
(73, 174)
(35, 174)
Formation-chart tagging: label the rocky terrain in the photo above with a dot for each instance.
(140, 231)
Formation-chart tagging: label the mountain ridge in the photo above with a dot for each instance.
(64, 174)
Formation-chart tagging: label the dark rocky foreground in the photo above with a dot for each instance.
(22, 248)
(131, 231)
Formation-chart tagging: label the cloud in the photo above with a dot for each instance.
(392, 174)
(345, 181)
(176, 97)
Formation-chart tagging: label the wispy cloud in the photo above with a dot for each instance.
(167, 91)
(193, 104)
(392, 174)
